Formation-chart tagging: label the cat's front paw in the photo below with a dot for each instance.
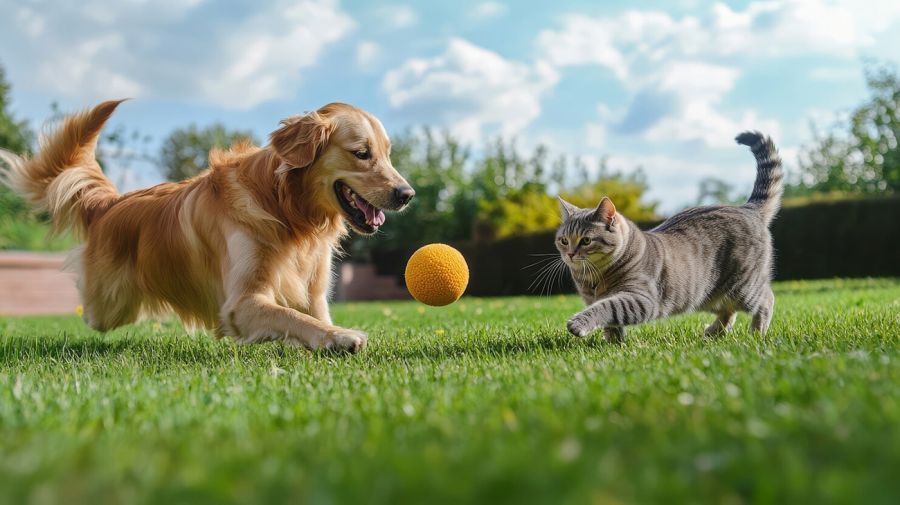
(579, 326)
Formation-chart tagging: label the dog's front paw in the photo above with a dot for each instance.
(579, 326)
(344, 340)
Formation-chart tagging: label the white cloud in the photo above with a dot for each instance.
(98, 49)
(694, 79)
(678, 70)
(266, 55)
(696, 90)
(582, 41)
(762, 29)
(837, 73)
(82, 68)
(681, 101)
(595, 134)
(469, 90)
(367, 53)
(699, 121)
(398, 16)
(488, 10)
(675, 180)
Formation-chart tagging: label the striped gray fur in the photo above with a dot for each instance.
(712, 258)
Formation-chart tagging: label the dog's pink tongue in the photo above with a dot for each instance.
(374, 215)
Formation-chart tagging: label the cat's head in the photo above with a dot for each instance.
(589, 234)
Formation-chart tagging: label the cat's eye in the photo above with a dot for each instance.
(564, 241)
(585, 241)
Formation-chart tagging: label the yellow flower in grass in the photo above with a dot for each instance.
(79, 310)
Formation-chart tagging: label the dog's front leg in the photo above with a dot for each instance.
(257, 318)
(251, 314)
(320, 289)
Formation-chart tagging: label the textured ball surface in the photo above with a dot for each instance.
(437, 275)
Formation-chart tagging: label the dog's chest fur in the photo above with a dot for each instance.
(299, 274)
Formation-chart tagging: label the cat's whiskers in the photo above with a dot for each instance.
(597, 275)
(543, 271)
(540, 261)
(547, 275)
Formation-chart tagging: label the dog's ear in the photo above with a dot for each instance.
(301, 139)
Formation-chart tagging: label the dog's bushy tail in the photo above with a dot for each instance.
(64, 177)
(769, 184)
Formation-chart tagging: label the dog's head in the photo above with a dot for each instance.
(347, 150)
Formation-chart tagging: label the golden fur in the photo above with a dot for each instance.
(244, 248)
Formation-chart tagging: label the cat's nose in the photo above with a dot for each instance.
(571, 255)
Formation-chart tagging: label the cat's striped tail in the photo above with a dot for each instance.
(769, 186)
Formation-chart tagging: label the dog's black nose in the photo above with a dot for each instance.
(404, 194)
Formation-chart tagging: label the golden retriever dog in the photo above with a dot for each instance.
(244, 248)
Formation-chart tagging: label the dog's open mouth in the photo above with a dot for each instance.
(364, 216)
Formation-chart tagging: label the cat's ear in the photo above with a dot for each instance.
(605, 212)
(566, 209)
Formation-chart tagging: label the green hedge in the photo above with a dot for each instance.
(850, 238)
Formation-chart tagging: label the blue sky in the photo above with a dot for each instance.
(661, 85)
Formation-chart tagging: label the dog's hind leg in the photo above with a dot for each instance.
(108, 302)
(109, 313)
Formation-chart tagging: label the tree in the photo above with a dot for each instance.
(875, 128)
(530, 208)
(716, 191)
(496, 194)
(185, 152)
(627, 192)
(861, 156)
(19, 228)
(15, 135)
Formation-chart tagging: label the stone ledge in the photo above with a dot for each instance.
(33, 283)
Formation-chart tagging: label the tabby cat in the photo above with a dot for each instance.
(713, 258)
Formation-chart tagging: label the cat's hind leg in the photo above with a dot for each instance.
(762, 310)
(724, 321)
(614, 334)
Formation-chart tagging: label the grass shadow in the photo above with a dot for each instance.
(499, 347)
(16, 350)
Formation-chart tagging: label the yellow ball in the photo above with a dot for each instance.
(437, 275)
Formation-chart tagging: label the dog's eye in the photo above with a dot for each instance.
(365, 154)
(564, 241)
(585, 241)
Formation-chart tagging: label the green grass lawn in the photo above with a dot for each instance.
(486, 400)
